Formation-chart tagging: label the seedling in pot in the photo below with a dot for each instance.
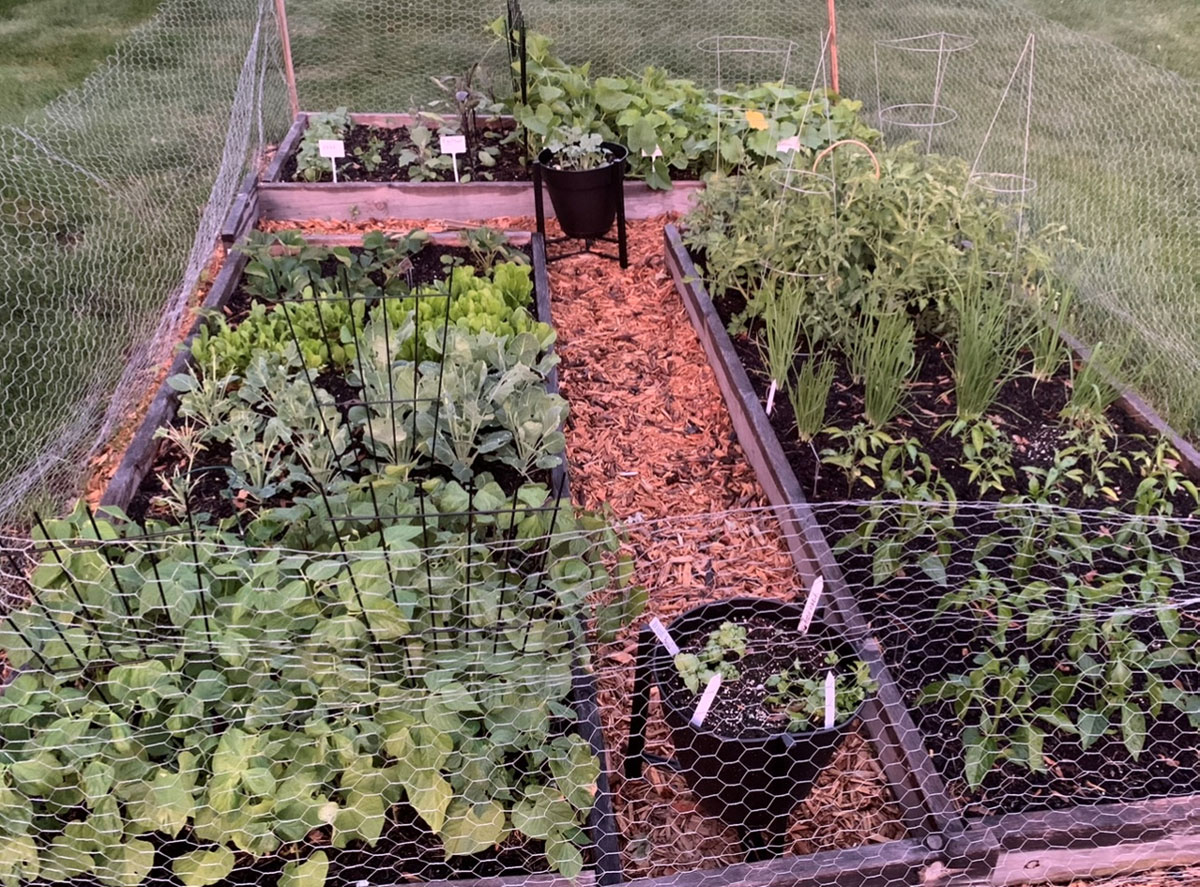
(573, 149)
(801, 696)
(725, 645)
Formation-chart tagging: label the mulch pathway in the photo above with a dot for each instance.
(650, 439)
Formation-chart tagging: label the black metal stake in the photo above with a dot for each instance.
(187, 507)
(112, 569)
(321, 488)
(83, 608)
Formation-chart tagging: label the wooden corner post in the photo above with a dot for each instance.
(285, 42)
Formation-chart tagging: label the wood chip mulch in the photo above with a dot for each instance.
(106, 461)
(650, 438)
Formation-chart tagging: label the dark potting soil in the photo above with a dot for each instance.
(921, 647)
(511, 165)
(740, 709)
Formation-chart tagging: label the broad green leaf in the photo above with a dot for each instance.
(18, 860)
(576, 770)
(539, 811)
(63, 860)
(430, 795)
(471, 828)
(1133, 728)
(362, 819)
(200, 868)
(564, 857)
(126, 865)
(933, 567)
(310, 873)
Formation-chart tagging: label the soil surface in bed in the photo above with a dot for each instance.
(210, 494)
(510, 166)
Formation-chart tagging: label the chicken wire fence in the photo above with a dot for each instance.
(112, 198)
(459, 699)
(113, 194)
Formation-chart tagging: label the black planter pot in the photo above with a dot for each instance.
(754, 782)
(586, 201)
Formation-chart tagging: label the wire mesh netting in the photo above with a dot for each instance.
(184, 705)
(112, 199)
(327, 649)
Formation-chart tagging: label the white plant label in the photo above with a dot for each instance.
(706, 700)
(333, 150)
(771, 397)
(664, 636)
(657, 153)
(810, 605)
(454, 145)
(830, 701)
(789, 145)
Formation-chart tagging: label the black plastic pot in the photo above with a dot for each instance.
(755, 782)
(586, 201)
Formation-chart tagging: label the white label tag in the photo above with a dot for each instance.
(657, 153)
(332, 148)
(664, 636)
(706, 701)
(771, 397)
(810, 605)
(789, 145)
(830, 700)
(454, 144)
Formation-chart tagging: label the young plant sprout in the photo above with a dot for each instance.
(725, 645)
(573, 149)
(800, 695)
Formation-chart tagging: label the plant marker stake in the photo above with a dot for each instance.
(454, 145)
(789, 145)
(810, 605)
(664, 636)
(112, 568)
(706, 700)
(830, 701)
(332, 149)
(187, 507)
(771, 397)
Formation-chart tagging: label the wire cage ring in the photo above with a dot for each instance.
(937, 41)
(1003, 183)
(807, 182)
(910, 115)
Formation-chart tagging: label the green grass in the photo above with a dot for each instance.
(49, 46)
(1165, 32)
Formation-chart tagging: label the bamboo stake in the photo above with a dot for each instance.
(285, 42)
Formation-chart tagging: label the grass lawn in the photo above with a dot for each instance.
(49, 46)
(1166, 32)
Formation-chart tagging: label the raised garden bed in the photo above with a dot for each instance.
(280, 198)
(1037, 844)
(136, 481)
(397, 826)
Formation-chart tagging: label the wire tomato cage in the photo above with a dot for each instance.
(920, 116)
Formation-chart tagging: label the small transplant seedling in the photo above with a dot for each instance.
(799, 693)
(725, 645)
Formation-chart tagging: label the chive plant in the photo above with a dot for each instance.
(809, 395)
(886, 351)
(986, 347)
